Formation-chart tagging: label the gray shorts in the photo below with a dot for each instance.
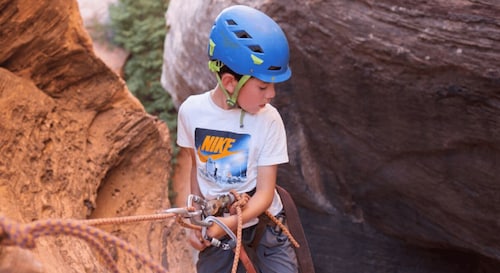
(274, 254)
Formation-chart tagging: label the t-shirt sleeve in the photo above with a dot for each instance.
(184, 134)
(274, 150)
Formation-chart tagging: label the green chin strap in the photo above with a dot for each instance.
(231, 100)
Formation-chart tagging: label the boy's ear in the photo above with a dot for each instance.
(229, 82)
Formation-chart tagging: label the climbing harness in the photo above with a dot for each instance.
(231, 203)
(303, 254)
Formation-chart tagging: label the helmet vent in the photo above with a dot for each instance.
(273, 68)
(256, 48)
(242, 34)
(231, 22)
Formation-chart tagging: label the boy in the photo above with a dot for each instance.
(236, 139)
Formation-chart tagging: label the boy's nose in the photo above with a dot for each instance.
(271, 92)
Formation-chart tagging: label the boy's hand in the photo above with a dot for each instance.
(215, 231)
(197, 241)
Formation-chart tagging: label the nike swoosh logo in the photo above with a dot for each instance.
(203, 158)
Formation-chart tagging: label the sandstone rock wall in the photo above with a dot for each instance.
(76, 144)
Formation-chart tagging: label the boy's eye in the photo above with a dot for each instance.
(262, 87)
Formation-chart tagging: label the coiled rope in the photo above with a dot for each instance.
(24, 235)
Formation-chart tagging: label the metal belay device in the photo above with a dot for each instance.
(203, 213)
(205, 216)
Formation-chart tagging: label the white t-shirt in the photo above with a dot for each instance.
(227, 156)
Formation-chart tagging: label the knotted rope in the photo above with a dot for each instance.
(243, 199)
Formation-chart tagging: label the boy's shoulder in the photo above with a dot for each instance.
(199, 96)
(195, 99)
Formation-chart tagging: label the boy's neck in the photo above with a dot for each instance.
(219, 98)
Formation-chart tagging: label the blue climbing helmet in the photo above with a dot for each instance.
(250, 43)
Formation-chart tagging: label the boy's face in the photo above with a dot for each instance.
(255, 94)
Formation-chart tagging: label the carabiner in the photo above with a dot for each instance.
(215, 242)
(184, 212)
(192, 198)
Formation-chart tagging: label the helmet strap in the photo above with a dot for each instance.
(231, 99)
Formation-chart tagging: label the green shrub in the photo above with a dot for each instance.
(138, 26)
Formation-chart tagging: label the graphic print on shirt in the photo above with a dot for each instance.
(224, 155)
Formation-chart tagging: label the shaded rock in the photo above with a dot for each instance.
(76, 144)
(392, 116)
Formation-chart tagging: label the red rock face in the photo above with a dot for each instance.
(76, 144)
(392, 117)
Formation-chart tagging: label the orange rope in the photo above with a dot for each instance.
(187, 225)
(127, 219)
(283, 228)
(237, 205)
(236, 208)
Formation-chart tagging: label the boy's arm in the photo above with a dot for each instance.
(258, 204)
(195, 238)
(195, 188)
(264, 194)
